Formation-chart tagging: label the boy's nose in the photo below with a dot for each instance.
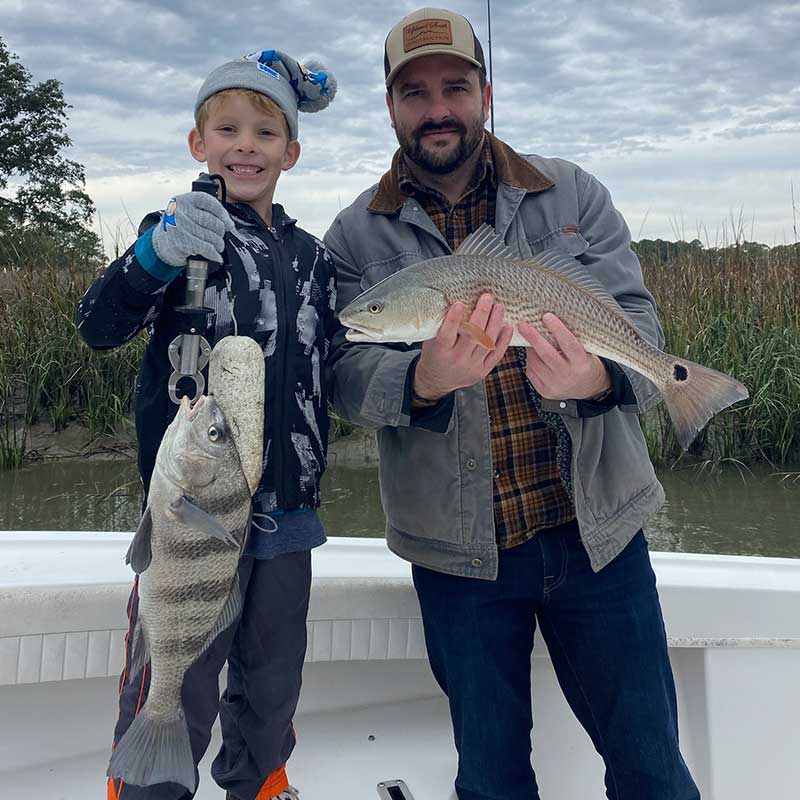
(246, 143)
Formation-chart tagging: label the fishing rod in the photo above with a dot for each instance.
(491, 82)
(189, 351)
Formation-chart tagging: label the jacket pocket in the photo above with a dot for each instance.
(566, 238)
(378, 270)
(421, 483)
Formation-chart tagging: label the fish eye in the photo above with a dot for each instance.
(375, 308)
(214, 433)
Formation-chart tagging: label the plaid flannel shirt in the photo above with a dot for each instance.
(529, 450)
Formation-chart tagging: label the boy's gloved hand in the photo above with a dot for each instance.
(193, 224)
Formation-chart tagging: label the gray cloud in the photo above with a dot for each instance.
(583, 81)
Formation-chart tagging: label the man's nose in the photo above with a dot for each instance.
(438, 108)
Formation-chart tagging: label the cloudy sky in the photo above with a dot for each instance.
(688, 110)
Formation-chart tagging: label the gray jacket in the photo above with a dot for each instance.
(437, 488)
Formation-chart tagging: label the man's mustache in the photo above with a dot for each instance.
(443, 125)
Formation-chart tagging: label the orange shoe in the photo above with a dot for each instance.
(289, 793)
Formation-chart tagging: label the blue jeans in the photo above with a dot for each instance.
(606, 638)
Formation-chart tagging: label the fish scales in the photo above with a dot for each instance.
(182, 605)
(410, 305)
(528, 291)
(186, 552)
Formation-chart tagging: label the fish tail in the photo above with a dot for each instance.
(693, 394)
(155, 750)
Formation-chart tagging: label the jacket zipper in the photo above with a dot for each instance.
(284, 333)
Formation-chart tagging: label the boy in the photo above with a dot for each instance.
(277, 286)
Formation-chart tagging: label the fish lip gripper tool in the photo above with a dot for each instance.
(189, 351)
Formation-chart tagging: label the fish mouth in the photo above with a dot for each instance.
(408, 334)
(191, 409)
(361, 335)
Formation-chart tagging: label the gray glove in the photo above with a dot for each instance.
(193, 224)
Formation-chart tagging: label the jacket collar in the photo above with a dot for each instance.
(246, 214)
(510, 168)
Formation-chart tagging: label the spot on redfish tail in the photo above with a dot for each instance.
(694, 393)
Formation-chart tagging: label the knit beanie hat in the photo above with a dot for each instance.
(293, 86)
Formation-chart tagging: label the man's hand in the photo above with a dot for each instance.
(565, 372)
(454, 360)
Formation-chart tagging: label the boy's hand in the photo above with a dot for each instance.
(194, 224)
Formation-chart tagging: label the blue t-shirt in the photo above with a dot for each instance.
(291, 532)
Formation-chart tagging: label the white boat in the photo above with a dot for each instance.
(370, 710)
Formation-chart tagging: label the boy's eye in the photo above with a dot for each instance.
(267, 132)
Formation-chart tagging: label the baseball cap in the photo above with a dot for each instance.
(430, 31)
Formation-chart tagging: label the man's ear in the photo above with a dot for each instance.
(197, 146)
(390, 104)
(292, 154)
(487, 101)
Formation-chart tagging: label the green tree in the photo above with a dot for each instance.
(44, 210)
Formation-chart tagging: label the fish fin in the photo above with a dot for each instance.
(229, 614)
(485, 241)
(694, 394)
(139, 553)
(188, 514)
(155, 750)
(570, 268)
(140, 650)
(478, 334)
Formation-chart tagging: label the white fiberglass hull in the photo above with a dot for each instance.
(369, 709)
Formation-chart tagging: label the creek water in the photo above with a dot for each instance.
(731, 511)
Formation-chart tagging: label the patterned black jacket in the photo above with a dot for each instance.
(283, 286)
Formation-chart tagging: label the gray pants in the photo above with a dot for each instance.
(265, 652)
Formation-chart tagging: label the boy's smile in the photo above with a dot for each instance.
(249, 147)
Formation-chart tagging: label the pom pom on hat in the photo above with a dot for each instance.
(321, 86)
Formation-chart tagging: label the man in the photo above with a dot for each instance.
(516, 480)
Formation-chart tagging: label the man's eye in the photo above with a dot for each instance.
(414, 93)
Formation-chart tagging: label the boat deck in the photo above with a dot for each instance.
(338, 755)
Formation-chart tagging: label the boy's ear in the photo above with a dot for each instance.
(197, 146)
(291, 155)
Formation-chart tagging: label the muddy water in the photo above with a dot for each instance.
(731, 512)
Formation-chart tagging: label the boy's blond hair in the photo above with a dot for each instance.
(262, 103)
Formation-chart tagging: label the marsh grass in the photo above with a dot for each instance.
(47, 373)
(736, 309)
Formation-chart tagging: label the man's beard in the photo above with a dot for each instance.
(434, 161)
